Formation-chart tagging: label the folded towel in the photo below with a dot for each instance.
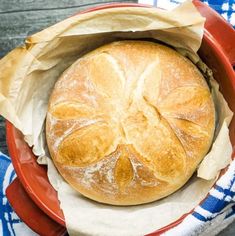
(10, 224)
(226, 8)
(215, 213)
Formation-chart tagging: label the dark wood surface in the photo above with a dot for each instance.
(21, 18)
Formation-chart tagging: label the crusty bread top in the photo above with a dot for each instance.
(129, 122)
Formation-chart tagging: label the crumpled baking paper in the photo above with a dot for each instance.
(29, 73)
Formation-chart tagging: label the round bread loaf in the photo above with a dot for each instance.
(129, 122)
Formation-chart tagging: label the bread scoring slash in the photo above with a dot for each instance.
(129, 122)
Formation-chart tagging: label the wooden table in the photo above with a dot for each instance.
(20, 18)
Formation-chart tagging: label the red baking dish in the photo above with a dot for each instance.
(41, 206)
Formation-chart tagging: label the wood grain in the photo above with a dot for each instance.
(8, 6)
(3, 145)
(17, 23)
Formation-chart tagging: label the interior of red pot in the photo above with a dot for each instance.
(211, 53)
(32, 176)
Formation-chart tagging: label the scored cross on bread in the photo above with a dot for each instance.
(129, 122)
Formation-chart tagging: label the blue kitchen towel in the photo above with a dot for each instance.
(209, 218)
(215, 213)
(226, 8)
(10, 224)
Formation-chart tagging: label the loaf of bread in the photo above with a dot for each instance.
(129, 122)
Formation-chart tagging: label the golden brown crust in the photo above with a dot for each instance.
(129, 122)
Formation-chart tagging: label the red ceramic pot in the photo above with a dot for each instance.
(41, 209)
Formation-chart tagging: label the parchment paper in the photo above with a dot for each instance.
(29, 73)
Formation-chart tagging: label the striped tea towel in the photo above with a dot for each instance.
(226, 8)
(10, 224)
